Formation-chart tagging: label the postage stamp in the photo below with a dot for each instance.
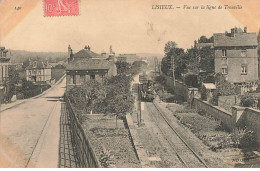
(61, 7)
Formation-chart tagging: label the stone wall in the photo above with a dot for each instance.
(252, 121)
(226, 102)
(218, 113)
(240, 116)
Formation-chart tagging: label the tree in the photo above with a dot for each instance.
(119, 100)
(247, 100)
(95, 93)
(13, 81)
(137, 67)
(191, 80)
(119, 104)
(207, 59)
(172, 52)
(89, 95)
(204, 39)
(123, 67)
(168, 46)
(223, 87)
(193, 60)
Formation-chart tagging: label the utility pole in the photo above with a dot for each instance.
(172, 68)
(139, 105)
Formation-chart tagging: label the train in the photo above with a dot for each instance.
(146, 90)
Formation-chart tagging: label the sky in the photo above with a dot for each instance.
(130, 26)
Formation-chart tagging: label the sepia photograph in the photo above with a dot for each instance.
(130, 84)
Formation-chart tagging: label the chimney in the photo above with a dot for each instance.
(103, 54)
(226, 33)
(245, 29)
(47, 63)
(69, 50)
(88, 47)
(5, 52)
(233, 31)
(69, 54)
(30, 62)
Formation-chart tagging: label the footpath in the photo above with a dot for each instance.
(7, 106)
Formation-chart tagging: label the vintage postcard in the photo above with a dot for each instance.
(129, 83)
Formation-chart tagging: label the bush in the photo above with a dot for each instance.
(161, 80)
(247, 101)
(191, 80)
(214, 99)
(34, 91)
(203, 93)
(244, 138)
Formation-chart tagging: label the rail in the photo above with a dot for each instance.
(84, 153)
(181, 138)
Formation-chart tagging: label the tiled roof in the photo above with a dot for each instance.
(240, 39)
(38, 65)
(88, 64)
(84, 53)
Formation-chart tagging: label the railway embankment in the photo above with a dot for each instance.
(205, 133)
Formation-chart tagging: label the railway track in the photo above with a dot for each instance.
(185, 153)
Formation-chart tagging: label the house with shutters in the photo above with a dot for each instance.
(87, 65)
(236, 55)
(38, 71)
(4, 73)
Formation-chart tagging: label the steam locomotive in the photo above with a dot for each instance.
(146, 88)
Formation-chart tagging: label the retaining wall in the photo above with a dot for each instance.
(227, 102)
(240, 116)
(252, 121)
(218, 113)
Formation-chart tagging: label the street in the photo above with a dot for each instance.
(29, 132)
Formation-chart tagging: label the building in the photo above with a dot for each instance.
(86, 65)
(236, 55)
(4, 74)
(38, 71)
(128, 57)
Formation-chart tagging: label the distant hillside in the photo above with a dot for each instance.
(19, 56)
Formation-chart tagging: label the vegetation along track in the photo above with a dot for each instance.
(184, 152)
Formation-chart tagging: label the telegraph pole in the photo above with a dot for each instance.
(172, 68)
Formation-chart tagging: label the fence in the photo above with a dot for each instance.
(84, 153)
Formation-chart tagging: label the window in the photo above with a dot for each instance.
(92, 77)
(30, 73)
(243, 53)
(244, 69)
(39, 72)
(82, 79)
(224, 52)
(224, 70)
(74, 79)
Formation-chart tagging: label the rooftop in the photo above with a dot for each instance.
(85, 53)
(89, 64)
(237, 37)
(38, 65)
(209, 86)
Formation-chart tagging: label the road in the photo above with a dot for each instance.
(29, 132)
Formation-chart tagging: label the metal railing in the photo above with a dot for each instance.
(84, 153)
